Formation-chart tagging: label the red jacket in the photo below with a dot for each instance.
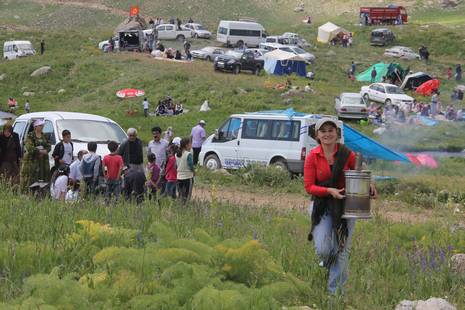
(316, 169)
(170, 169)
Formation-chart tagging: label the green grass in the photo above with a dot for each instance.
(389, 262)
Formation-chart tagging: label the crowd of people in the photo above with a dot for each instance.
(169, 171)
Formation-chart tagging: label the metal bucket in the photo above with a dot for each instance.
(357, 192)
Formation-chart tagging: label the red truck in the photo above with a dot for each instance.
(395, 15)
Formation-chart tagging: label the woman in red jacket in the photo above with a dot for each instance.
(324, 180)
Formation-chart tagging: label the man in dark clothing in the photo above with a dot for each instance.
(373, 75)
(63, 151)
(458, 72)
(179, 23)
(187, 47)
(190, 20)
(131, 151)
(42, 47)
(134, 184)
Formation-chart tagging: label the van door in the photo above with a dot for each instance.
(19, 128)
(255, 143)
(227, 143)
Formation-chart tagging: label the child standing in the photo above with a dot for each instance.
(171, 172)
(449, 73)
(185, 169)
(153, 175)
(113, 166)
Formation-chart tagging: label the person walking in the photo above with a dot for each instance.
(324, 179)
(63, 151)
(90, 168)
(132, 151)
(42, 47)
(185, 170)
(198, 136)
(373, 75)
(146, 106)
(35, 166)
(112, 166)
(187, 47)
(458, 72)
(10, 154)
(27, 107)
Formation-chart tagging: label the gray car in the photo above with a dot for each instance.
(208, 53)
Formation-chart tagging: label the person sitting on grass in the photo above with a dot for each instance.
(59, 183)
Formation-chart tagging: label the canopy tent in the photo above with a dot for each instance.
(395, 73)
(329, 31)
(281, 62)
(381, 70)
(370, 148)
(426, 89)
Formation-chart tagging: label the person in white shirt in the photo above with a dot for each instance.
(59, 185)
(146, 105)
(75, 175)
(63, 151)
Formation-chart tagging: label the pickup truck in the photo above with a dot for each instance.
(237, 61)
(171, 32)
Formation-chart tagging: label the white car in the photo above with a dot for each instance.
(351, 105)
(301, 42)
(171, 32)
(258, 53)
(207, 53)
(310, 58)
(198, 30)
(385, 93)
(401, 52)
(84, 128)
(104, 44)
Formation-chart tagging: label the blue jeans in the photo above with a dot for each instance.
(113, 188)
(170, 189)
(326, 245)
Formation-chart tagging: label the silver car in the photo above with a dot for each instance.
(351, 105)
(198, 30)
(401, 52)
(310, 58)
(207, 53)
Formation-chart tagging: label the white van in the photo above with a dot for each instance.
(267, 138)
(238, 33)
(14, 49)
(84, 128)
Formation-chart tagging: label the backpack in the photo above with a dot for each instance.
(88, 167)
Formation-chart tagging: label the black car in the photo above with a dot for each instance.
(236, 62)
(382, 37)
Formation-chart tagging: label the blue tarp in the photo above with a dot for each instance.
(369, 148)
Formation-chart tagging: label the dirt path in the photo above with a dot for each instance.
(84, 4)
(387, 209)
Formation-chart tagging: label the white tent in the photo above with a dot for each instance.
(328, 31)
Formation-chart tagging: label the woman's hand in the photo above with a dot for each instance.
(373, 192)
(336, 193)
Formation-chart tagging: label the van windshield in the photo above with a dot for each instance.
(91, 131)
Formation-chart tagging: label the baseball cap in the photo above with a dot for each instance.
(323, 121)
(202, 122)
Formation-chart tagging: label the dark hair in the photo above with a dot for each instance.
(112, 146)
(65, 132)
(184, 142)
(151, 157)
(156, 128)
(92, 146)
(80, 153)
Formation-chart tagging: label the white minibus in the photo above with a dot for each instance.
(15, 49)
(238, 33)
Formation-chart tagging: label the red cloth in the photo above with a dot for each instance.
(170, 170)
(316, 169)
(113, 163)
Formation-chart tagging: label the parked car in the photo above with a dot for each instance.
(310, 58)
(258, 52)
(401, 52)
(198, 31)
(103, 45)
(381, 37)
(245, 139)
(15, 49)
(171, 32)
(351, 105)
(385, 93)
(207, 53)
(240, 33)
(236, 62)
(280, 40)
(299, 41)
(84, 128)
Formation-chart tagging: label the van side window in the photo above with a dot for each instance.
(222, 30)
(285, 130)
(230, 130)
(245, 32)
(256, 129)
(49, 132)
(19, 129)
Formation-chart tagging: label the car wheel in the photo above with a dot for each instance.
(257, 71)
(388, 102)
(209, 58)
(236, 70)
(212, 162)
(180, 38)
(367, 98)
(280, 164)
(240, 44)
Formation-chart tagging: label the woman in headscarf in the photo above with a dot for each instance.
(36, 166)
(324, 180)
(10, 153)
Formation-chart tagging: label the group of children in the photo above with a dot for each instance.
(91, 175)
